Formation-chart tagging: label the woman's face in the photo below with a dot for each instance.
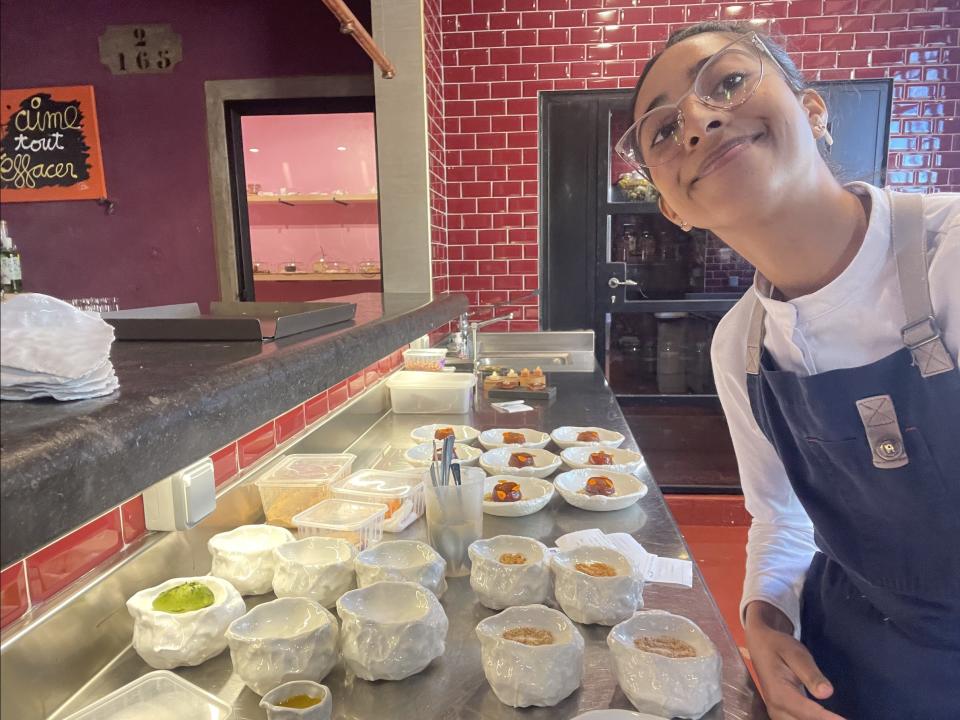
(771, 134)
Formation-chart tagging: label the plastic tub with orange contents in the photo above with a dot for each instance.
(401, 492)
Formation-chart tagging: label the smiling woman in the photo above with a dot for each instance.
(728, 132)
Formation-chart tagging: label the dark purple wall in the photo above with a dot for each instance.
(158, 246)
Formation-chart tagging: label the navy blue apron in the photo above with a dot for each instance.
(873, 454)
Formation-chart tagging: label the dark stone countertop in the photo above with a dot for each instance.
(65, 463)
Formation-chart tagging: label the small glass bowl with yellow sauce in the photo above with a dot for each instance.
(298, 700)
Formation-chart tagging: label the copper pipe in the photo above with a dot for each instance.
(349, 25)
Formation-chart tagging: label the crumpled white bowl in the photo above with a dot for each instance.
(596, 600)
(283, 640)
(497, 462)
(402, 561)
(523, 675)
(422, 455)
(668, 687)
(461, 433)
(625, 461)
(499, 586)
(321, 711)
(535, 495)
(244, 556)
(566, 436)
(316, 568)
(493, 438)
(628, 489)
(168, 640)
(391, 630)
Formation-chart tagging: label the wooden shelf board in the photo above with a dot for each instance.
(311, 199)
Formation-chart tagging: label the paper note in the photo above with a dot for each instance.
(513, 406)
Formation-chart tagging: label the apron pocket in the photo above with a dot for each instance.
(887, 508)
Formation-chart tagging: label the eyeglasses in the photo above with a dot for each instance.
(728, 79)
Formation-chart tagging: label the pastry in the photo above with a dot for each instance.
(599, 485)
(441, 433)
(601, 458)
(508, 384)
(521, 460)
(591, 436)
(513, 438)
(506, 491)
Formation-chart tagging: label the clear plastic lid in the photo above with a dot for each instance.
(381, 483)
(159, 695)
(312, 468)
(337, 514)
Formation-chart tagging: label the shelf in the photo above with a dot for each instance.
(673, 306)
(311, 199)
(314, 277)
(631, 208)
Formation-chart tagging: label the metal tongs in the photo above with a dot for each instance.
(441, 470)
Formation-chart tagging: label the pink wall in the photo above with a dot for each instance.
(301, 154)
(495, 56)
(158, 246)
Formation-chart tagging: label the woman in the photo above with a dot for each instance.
(837, 373)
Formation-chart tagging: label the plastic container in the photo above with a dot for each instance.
(401, 492)
(159, 695)
(358, 522)
(425, 359)
(428, 392)
(298, 482)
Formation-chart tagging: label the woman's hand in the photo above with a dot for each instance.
(784, 666)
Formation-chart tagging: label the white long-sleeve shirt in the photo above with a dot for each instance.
(855, 320)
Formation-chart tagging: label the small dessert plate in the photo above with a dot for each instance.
(627, 489)
(535, 495)
(497, 462)
(497, 437)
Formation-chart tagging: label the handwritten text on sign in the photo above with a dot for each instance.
(50, 145)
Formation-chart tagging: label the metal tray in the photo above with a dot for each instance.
(259, 321)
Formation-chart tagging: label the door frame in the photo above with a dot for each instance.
(220, 92)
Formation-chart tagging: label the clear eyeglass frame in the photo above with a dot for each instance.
(628, 146)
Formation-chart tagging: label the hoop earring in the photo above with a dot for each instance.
(821, 127)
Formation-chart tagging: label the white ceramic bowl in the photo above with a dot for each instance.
(461, 433)
(316, 568)
(627, 487)
(402, 561)
(535, 494)
(422, 455)
(566, 437)
(499, 585)
(391, 630)
(664, 686)
(321, 711)
(493, 438)
(523, 675)
(596, 600)
(283, 640)
(168, 640)
(244, 556)
(496, 462)
(626, 461)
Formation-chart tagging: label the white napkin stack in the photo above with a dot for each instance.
(48, 348)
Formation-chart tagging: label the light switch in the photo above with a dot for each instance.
(181, 500)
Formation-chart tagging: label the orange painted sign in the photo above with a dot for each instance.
(50, 145)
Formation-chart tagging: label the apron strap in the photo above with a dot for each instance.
(921, 335)
(755, 338)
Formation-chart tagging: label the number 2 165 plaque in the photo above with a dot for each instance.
(129, 49)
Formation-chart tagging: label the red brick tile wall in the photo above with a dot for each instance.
(55, 567)
(496, 55)
(436, 145)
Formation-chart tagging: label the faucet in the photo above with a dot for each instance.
(464, 340)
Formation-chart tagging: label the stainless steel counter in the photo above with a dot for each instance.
(454, 687)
